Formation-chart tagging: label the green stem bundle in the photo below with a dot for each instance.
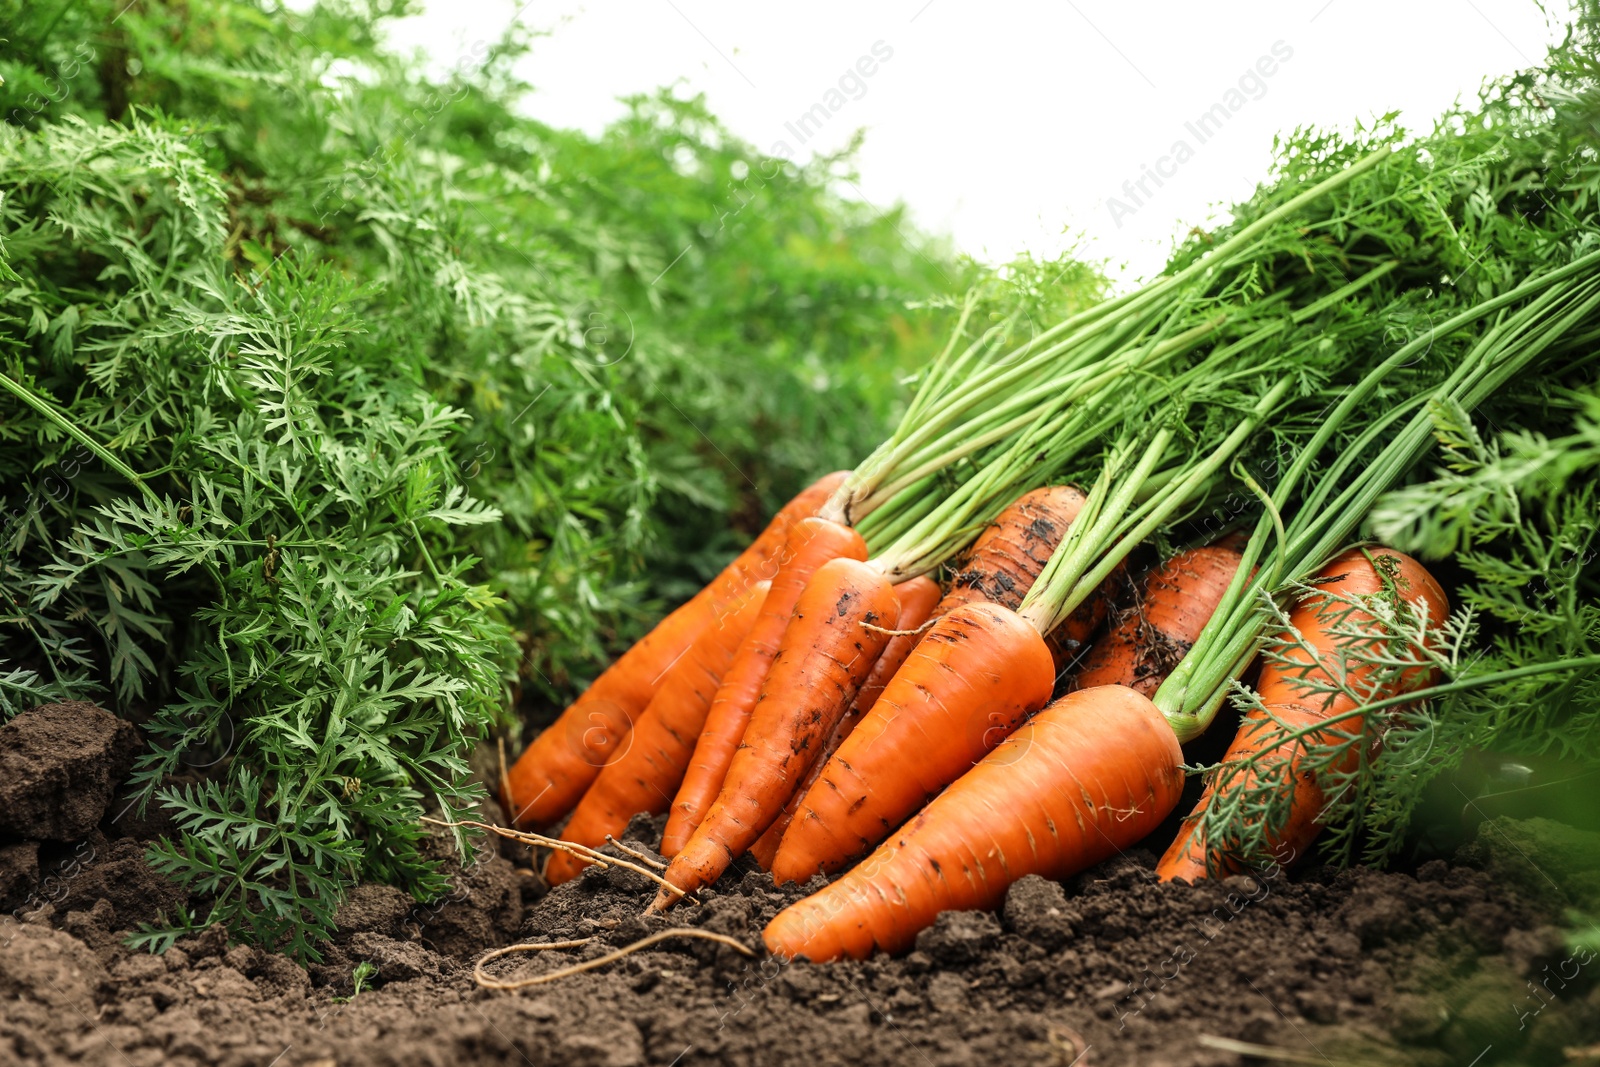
(1558, 303)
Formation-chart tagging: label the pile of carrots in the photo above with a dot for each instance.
(830, 707)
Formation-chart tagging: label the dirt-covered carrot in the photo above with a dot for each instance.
(812, 543)
(837, 634)
(917, 599)
(1101, 767)
(1109, 765)
(981, 670)
(948, 706)
(1296, 695)
(1151, 636)
(564, 759)
(977, 674)
(1091, 774)
(1007, 557)
(1004, 561)
(645, 772)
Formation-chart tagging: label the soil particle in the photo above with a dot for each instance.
(59, 767)
(1111, 968)
(373, 908)
(1036, 910)
(959, 938)
(96, 928)
(117, 872)
(48, 967)
(19, 872)
(483, 909)
(399, 961)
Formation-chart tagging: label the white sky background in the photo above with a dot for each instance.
(1009, 125)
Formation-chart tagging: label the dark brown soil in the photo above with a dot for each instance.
(59, 766)
(1454, 964)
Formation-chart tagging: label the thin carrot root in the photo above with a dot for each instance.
(483, 978)
(822, 661)
(918, 598)
(587, 855)
(561, 763)
(812, 543)
(644, 858)
(1090, 775)
(1291, 704)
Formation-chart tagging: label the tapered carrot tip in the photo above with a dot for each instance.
(689, 869)
(1185, 858)
(1286, 690)
(664, 900)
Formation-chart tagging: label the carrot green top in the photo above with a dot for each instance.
(1533, 321)
(985, 427)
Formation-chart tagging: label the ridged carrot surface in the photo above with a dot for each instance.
(812, 543)
(917, 598)
(1090, 775)
(1150, 638)
(1293, 705)
(979, 672)
(826, 653)
(1006, 558)
(1005, 561)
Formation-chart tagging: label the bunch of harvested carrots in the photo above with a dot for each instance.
(827, 705)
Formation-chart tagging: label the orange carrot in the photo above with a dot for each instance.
(1292, 704)
(973, 679)
(1091, 774)
(646, 770)
(1006, 558)
(1151, 637)
(963, 689)
(917, 599)
(826, 653)
(1066, 641)
(560, 764)
(812, 543)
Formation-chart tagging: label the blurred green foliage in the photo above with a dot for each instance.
(432, 403)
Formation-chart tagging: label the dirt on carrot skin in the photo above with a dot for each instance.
(1428, 967)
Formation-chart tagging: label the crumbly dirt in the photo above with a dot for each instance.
(59, 765)
(1455, 963)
